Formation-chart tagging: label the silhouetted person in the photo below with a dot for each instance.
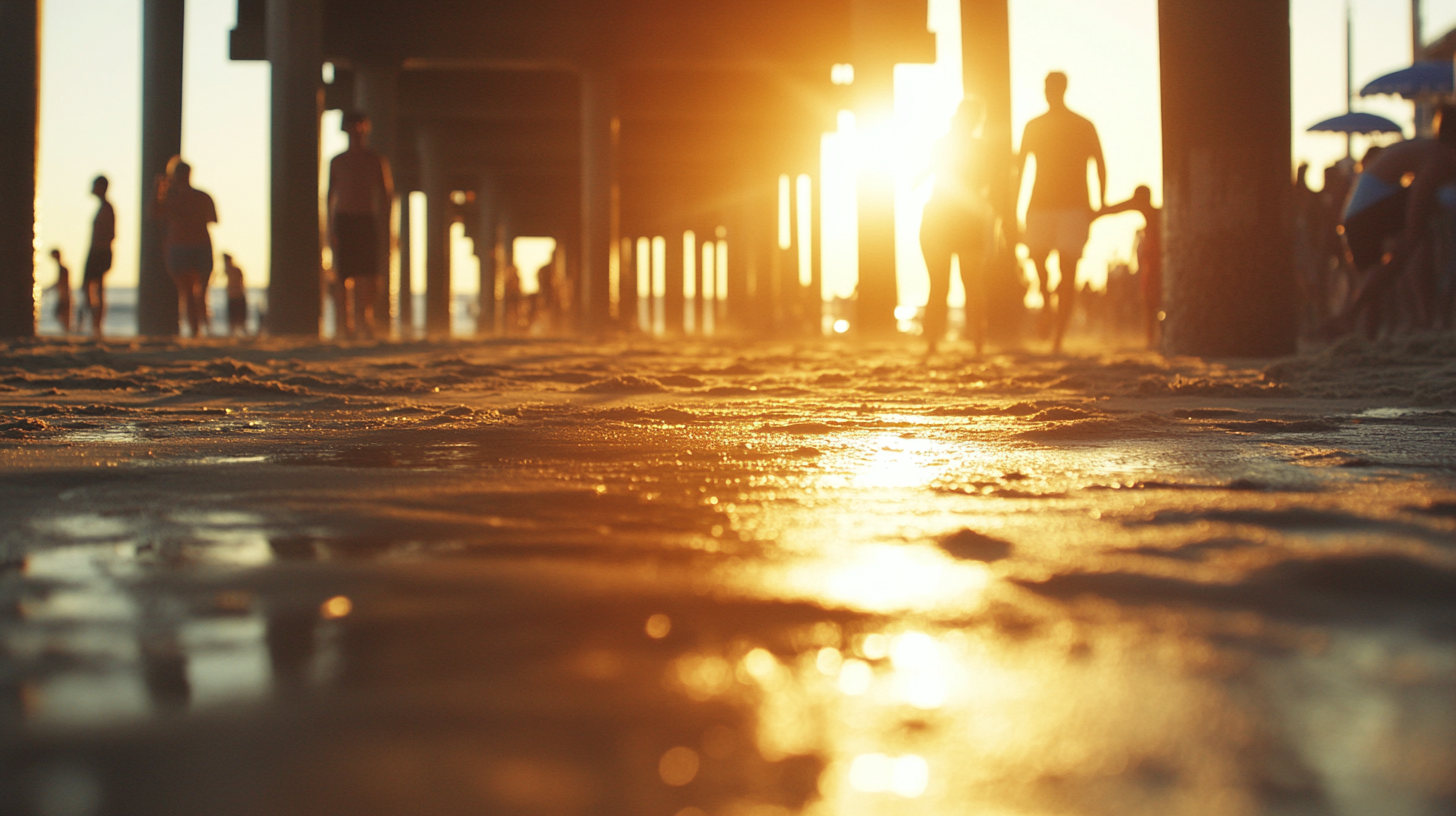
(360, 194)
(1059, 215)
(237, 297)
(1386, 224)
(98, 258)
(62, 289)
(958, 221)
(186, 211)
(1149, 256)
(511, 299)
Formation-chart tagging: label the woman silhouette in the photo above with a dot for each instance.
(958, 220)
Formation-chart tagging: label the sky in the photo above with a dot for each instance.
(90, 113)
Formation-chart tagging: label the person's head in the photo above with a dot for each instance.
(227, 259)
(1143, 195)
(178, 171)
(56, 253)
(357, 125)
(1445, 123)
(99, 186)
(1056, 89)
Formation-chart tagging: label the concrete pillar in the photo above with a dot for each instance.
(406, 313)
(600, 131)
(629, 299)
(162, 45)
(986, 70)
(875, 193)
(489, 249)
(814, 296)
(789, 293)
(674, 304)
(1228, 241)
(376, 89)
(438, 218)
(19, 120)
(735, 309)
(294, 29)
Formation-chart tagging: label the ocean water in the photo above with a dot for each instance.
(121, 311)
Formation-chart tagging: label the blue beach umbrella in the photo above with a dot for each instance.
(1356, 123)
(1428, 78)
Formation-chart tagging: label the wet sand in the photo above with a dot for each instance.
(544, 577)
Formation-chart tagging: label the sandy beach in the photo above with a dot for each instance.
(551, 577)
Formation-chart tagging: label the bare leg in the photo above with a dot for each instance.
(1066, 298)
(343, 322)
(1043, 278)
(937, 264)
(365, 288)
(96, 302)
(187, 300)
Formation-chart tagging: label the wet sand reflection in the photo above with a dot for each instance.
(760, 612)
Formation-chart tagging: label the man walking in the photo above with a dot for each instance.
(360, 195)
(1060, 215)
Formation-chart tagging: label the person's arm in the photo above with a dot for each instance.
(1101, 168)
(1435, 173)
(1012, 220)
(1114, 209)
(1025, 151)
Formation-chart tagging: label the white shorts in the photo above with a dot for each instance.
(1062, 230)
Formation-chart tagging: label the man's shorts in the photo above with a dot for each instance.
(356, 246)
(191, 258)
(98, 262)
(1062, 230)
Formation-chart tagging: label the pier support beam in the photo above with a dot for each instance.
(294, 31)
(406, 266)
(1228, 238)
(879, 291)
(19, 120)
(600, 134)
(163, 25)
(439, 216)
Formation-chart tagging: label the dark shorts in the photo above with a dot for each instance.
(1367, 230)
(356, 246)
(196, 258)
(237, 311)
(98, 263)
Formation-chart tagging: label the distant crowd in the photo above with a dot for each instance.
(965, 219)
(1376, 247)
(185, 214)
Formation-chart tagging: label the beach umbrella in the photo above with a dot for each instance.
(1356, 123)
(1430, 78)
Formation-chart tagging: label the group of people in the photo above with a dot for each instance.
(185, 213)
(1399, 228)
(360, 192)
(98, 263)
(960, 218)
